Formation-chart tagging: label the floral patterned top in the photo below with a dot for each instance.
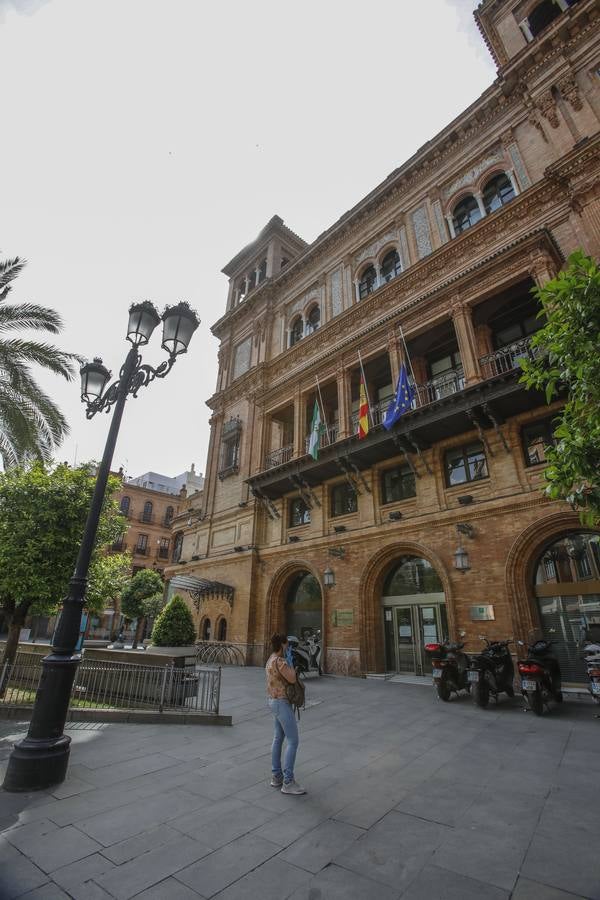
(275, 686)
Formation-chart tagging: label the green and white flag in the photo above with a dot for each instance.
(315, 432)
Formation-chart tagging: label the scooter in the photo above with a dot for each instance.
(591, 655)
(450, 666)
(540, 676)
(306, 654)
(491, 672)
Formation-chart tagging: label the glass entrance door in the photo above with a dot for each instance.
(407, 629)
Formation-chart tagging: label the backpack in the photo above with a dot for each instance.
(295, 692)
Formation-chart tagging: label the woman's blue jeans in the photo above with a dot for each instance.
(284, 723)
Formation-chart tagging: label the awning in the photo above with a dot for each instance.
(199, 588)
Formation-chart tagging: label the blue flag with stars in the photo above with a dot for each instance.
(402, 402)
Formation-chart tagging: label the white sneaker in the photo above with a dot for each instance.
(292, 787)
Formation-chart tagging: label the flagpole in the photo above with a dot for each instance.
(366, 387)
(322, 409)
(407, 356)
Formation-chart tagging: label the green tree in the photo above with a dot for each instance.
(42, 518)
(143, 585)
(109, 575)
(569, 358)
(174, 626)
(31, 425)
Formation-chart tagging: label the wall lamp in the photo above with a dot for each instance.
(329, 577)
(461, 557)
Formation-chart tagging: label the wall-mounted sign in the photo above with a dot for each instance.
(342, 617)
(482, 613)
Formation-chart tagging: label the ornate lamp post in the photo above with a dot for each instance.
(41, 759)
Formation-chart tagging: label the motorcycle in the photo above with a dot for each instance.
(449, 667)
(591, 656)
(491, 672)
(540, 676)
(307, 653)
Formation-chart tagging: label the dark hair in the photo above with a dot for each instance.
(277, 641)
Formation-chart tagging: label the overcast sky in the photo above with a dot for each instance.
(145, 142)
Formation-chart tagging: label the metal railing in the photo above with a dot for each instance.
(278, 457)
(508, 358)
(328, 436)
(438, 388)
(103, 684)
(219, 652)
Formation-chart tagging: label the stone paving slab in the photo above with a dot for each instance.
(407, 798)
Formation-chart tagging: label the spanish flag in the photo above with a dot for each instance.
(363, 409)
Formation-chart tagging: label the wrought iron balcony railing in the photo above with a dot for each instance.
(328, 436)
(278, 457)
(508, 358)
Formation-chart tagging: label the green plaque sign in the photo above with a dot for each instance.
(342, 617)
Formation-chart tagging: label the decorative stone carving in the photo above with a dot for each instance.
(372, 249)
(336, 292)
(519, 166)
(470, 177)
(547, 106)
(405, 255)
(422, 233)
(569, 89)
(439, 221)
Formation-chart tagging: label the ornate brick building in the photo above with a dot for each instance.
(439, 523)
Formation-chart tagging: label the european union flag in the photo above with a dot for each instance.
(402, 402)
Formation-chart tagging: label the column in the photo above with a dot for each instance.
(513, 181)
(465, 335)
(299, 424)
(396, 354)
(356, 290)
(479, 199)
(378, 274)
(343, 392)
(450, 222)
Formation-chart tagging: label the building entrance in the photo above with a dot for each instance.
(414, 614)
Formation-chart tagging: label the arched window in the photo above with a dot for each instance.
(390, 266)
(466, 213)
(262, 271)
(296, 331)
(497, 192)
(313, 320)
(222, 630)
(367, 283)
(147, 514)
(542, 15)
(177, 547)
(125, 504)
(205, 629)
(169, 512)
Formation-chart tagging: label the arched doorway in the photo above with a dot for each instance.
(414, 614)
(303, 605)
(566, 585)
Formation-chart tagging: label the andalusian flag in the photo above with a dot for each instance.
(363, 409)
(315, 432)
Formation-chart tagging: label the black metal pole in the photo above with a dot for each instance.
(41, 759)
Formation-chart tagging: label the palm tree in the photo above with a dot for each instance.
(31, 425)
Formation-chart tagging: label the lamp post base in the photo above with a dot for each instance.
(37, 764)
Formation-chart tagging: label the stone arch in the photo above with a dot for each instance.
(520, 563)
(276, 592)
(371, 585)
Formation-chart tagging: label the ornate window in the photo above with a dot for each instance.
(542, 15)
(465, 464)
(367, 283)
(299, 513)
(141, 547)
(465, 214)
(397, 484)
(147, 514)
(163, 548)
(229, 463)
(313, 320)
(535, 438)
(497, 192)
(343, 500)
(125, 505)
(390, 266)
(296, 331)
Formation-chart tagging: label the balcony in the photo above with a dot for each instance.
(327, 437)
(443, 407)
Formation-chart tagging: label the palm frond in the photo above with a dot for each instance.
(45, 355)
(9, 269)
(29, 315)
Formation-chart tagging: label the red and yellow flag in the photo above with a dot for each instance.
(363, 409)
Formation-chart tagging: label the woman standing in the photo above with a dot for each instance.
(279, 673)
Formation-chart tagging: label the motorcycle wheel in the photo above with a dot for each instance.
(443, 690)
(536, 702)
(481, 694)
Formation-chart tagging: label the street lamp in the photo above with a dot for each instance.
(41, 759)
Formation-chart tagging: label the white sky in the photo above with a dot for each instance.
(146, 142)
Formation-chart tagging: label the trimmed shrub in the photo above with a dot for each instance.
(174, 626)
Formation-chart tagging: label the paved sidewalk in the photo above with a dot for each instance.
(408, 797)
